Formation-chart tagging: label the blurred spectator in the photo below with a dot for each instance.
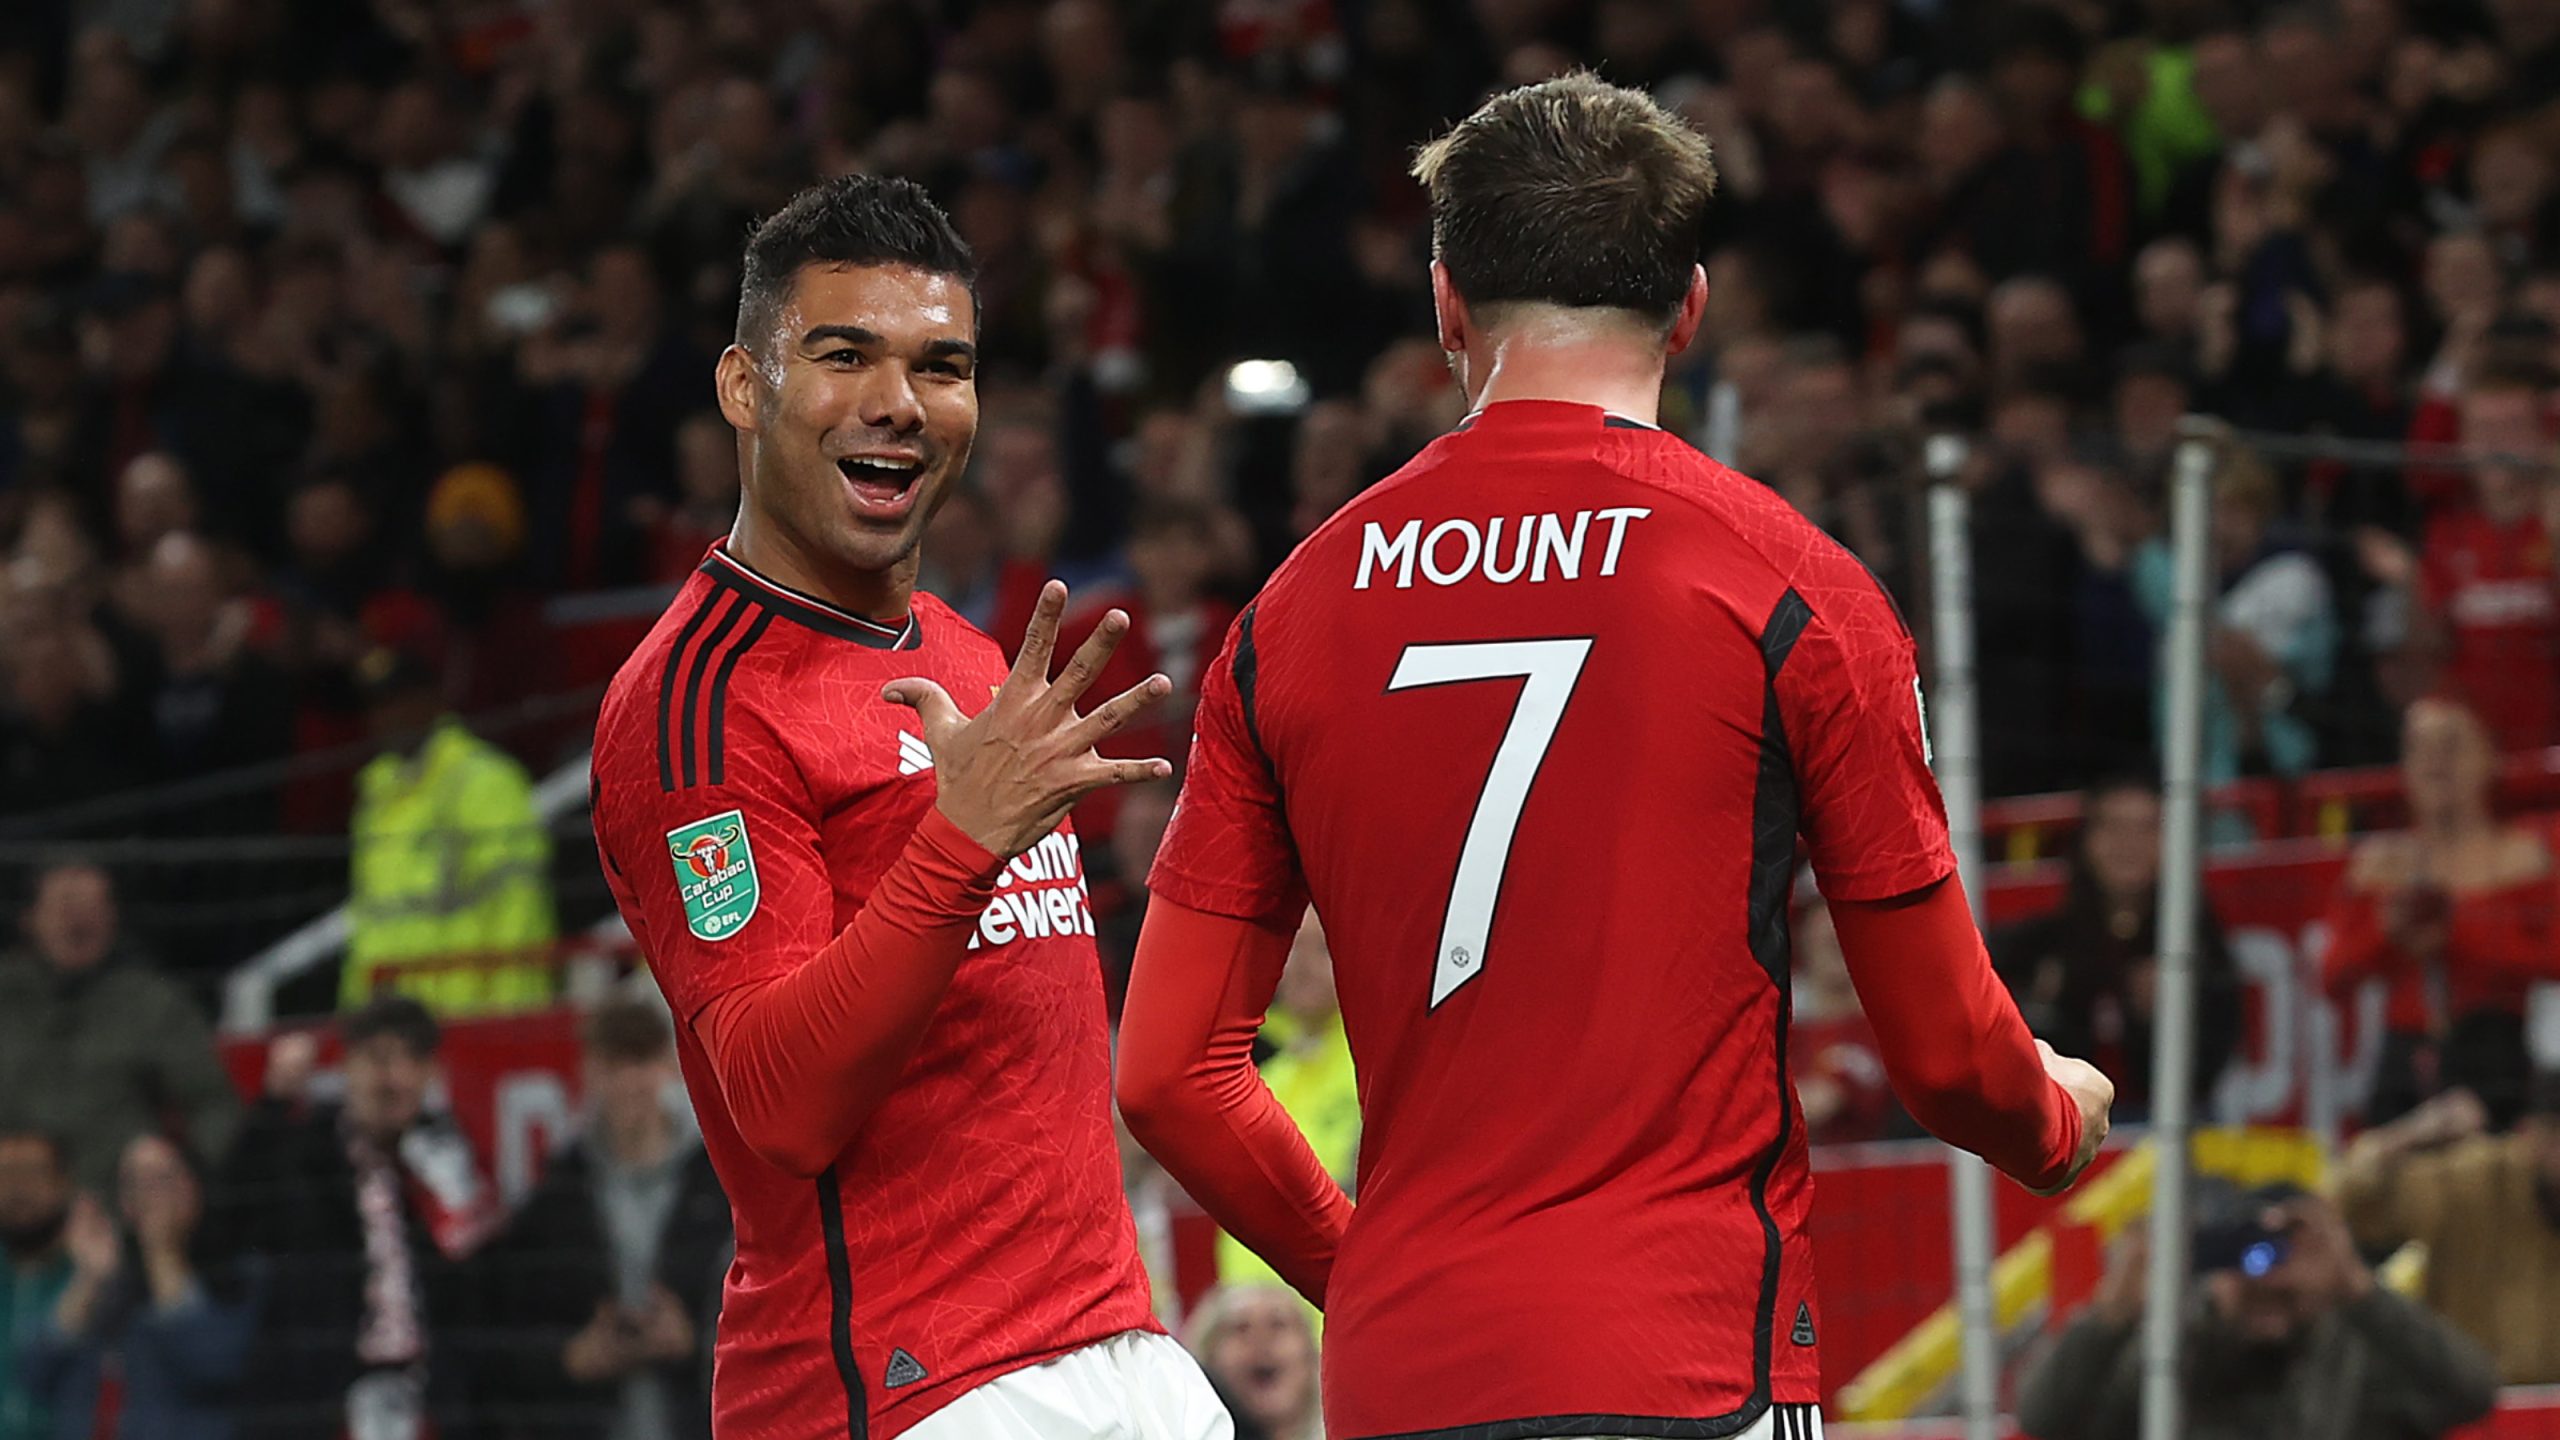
(1328, 464)
(2486, 576)
(35, 1205)
(347, 1222)
(2025, 558)
(614, 380)
(2274, 632)
(94, 1046)
(137, 1335)
(450, 895)
(1175, 626)
(2454, 917)
(1841, 1088)
(63, 735)
(2169, 280)
(706, 503)
(963, 562)
(1258, 1345)
(603, 1288)
(2086, 973)
(440, 190)
(209, 702)
(1120, 880)
(498, 639)
(2486, 1207)
(2287, 1337)
(1309, 1072)
(155, 499)
(2359, 391)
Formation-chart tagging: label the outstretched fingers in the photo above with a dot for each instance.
(1130, 772)
(1090, 657)
(1109, 718)
(1031, 662)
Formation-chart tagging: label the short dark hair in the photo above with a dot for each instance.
(398, 1016)
(628, 1031)
(1571, 192)
(2118, 782)
(847, 220)
(64, 862)
(54, 1145)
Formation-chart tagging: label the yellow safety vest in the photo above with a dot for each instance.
(450, 881)
(1311, 1078)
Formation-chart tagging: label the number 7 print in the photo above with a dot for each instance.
(1549, 668)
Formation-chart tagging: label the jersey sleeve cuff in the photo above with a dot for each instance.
(946, 852)
(1890, 880)
(1222, 898)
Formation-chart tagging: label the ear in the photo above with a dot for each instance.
(740, 388)
(1450, 308)
(1693, 310)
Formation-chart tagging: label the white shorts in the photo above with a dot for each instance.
(1137, 1386)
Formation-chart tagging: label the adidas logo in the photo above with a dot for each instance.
(914, 758)
(904, 1369)
(1803, 1334)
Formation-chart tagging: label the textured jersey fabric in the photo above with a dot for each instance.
(1537, 723)
(751, 787)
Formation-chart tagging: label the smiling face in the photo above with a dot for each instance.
(857, 409)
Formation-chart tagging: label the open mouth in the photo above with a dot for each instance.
(882, 485)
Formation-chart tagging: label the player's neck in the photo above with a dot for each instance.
(773, 552)
(1605, 373)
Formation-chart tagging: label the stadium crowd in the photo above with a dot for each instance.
(346, 345)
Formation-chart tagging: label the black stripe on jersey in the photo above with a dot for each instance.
(736, 612)
(1773, 817)
(667, 693)
(727, 572)
(1775, 812)
(857, 1406)
(1247, 669)
(718, 768)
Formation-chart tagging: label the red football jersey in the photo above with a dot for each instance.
(2492, 588)
(1536, 723)
(750, 788)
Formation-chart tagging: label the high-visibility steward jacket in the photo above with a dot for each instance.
(450, 886)
(1310, 1075)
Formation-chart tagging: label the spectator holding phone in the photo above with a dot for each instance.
(2288, 1337)
(2487, 1207)
(2454, 916)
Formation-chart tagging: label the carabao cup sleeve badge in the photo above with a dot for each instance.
(715, 873)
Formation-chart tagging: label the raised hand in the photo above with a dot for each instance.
(291, 1061)
(1010, 773)
(90, 1237)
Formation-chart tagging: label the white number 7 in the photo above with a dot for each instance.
(1550, 667)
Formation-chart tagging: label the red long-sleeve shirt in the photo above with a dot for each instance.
(1537, 725)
